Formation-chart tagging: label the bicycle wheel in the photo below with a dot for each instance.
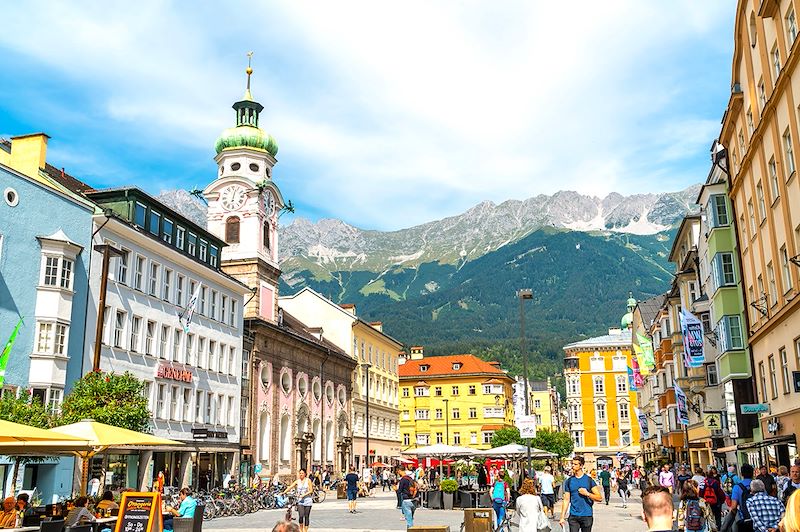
(319, 496)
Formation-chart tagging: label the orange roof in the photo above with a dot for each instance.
(443, 366)
(491, 427)
(493, 381)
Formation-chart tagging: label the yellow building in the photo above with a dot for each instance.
(600, 402)
(454, 399)
(760, 130)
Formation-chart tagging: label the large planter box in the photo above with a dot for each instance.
(447, 499)
(434, 499)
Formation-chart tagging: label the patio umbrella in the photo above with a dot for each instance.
(19, 434)
(100, 437)
(515, 450)
(379, 464)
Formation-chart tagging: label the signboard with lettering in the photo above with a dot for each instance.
(140, 512)
(761, 408)
(526, 426)
(205, 434)
(166, 371)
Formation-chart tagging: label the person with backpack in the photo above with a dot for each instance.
(694, 514)
(580, 493)
(408, 494)
(739, 496)
(500, 497)
(765, 510)
(729, 479)
(713, 494)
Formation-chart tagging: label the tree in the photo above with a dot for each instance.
(556, 442)
(506, 436)
(108, 398)
(25, 409)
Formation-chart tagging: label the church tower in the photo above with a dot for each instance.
(243, 205)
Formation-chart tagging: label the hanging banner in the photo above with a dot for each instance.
(7, 351)
(648, 361)
(683, 405)
(186, 314)
(643, 430)
(631, 380)
(692, 330)
(638, 376)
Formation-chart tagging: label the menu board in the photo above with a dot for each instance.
(140, 512)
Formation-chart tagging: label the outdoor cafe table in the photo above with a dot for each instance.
(97, 522)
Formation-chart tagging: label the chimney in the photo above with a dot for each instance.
(417, 352)
(28, 153)
(349, 307)
(316, 332)
(496, 364)
(377, 325)
(401, 358)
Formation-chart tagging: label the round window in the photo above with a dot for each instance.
(253, 167)
(11, 196)
(316, 389)
(235, 166)
(266, 376)
(342, 397)
(286, 382)
(302, 387)
(329, 393)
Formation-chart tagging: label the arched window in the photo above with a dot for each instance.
(265, 438)
(266, 235)
(232, 230)
(316, 428)
(285, 440)
(329, 441)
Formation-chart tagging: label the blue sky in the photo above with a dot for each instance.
(387, 114)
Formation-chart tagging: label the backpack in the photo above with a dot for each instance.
(743, 506)
(693, 515)
(728, 484)
(499, 491)
(710, 492)
(413, 488)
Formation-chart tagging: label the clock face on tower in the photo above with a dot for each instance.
(232, 197)
(269, 202)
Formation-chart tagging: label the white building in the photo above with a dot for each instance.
(193, 376)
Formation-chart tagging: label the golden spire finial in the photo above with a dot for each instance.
(249, 72)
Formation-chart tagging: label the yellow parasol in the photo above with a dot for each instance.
(19, 434)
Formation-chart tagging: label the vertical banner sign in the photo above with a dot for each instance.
(638, 378)
(7, 351)
(648, 360)
(692, 329)
(631, 380)
(185, 315)
(643, 430)
(683, 405)
(140, 512)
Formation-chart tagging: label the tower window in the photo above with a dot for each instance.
(253, 167)
(232, 230)
(266, 235)
(235, 166)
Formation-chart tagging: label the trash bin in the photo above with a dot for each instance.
(341, 490)
(478, 520)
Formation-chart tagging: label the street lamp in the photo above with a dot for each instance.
(523, 294)
(107, 251)
(366, 367)
(446, 422)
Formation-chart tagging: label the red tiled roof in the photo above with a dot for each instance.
(443, 366)
(493, 381)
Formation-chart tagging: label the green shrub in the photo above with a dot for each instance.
(448, 485)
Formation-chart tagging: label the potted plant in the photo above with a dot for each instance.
(449, 488)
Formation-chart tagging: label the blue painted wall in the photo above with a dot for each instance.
(40, 212)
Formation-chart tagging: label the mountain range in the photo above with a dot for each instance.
(450, 284)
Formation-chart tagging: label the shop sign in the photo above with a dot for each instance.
(165, 371)
(140, 512)
(206, 434)
(773, 426)
(603, 461)
(712, 420)
(761, 408)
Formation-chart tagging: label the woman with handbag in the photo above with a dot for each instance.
(530, 509)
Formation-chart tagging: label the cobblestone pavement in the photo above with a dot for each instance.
(378, 513)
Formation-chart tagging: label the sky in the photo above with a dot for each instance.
(387, 114)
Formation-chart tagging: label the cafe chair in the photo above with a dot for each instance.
(51, 526)
(197, 526)
(182, 524)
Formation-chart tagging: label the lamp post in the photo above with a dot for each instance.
(523, 294)
(446, 421)
(107, 252)
(366, 367)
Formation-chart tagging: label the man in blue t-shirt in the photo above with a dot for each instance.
(580, 493)
(741, 492)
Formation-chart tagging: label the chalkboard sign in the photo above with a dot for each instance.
(140, 512)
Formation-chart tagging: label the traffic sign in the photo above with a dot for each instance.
(759, 408)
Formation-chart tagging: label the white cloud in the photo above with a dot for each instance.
(390, 114)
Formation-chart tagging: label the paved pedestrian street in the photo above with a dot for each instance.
(378, 513)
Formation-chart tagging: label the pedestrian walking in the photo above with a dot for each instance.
(792, 484)
(766, 477)
(304, 490)
(682, 476)
(667, 478)
(482, 477)
(657, 509)
(580, 493)
(694, 514)
(622, 486)
(385, 479)
(699, 477)
(739, 495)
(408, 494)
(351, 478)
(548, 495)
(765, 510)
(605, 481)
(501, 494)
(713, 494)
(729, 479)
(530, 508)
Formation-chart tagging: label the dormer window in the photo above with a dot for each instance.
(424, 367)
(456, 366)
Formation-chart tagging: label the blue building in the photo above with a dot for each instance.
(45, 236)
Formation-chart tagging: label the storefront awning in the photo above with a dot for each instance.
(791, 438)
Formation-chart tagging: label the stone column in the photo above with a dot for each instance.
(186, 470)
(145, 463)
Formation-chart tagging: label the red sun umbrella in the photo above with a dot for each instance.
(379, 464)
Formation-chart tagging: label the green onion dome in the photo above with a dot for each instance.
(627, 319)
(245, 136)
